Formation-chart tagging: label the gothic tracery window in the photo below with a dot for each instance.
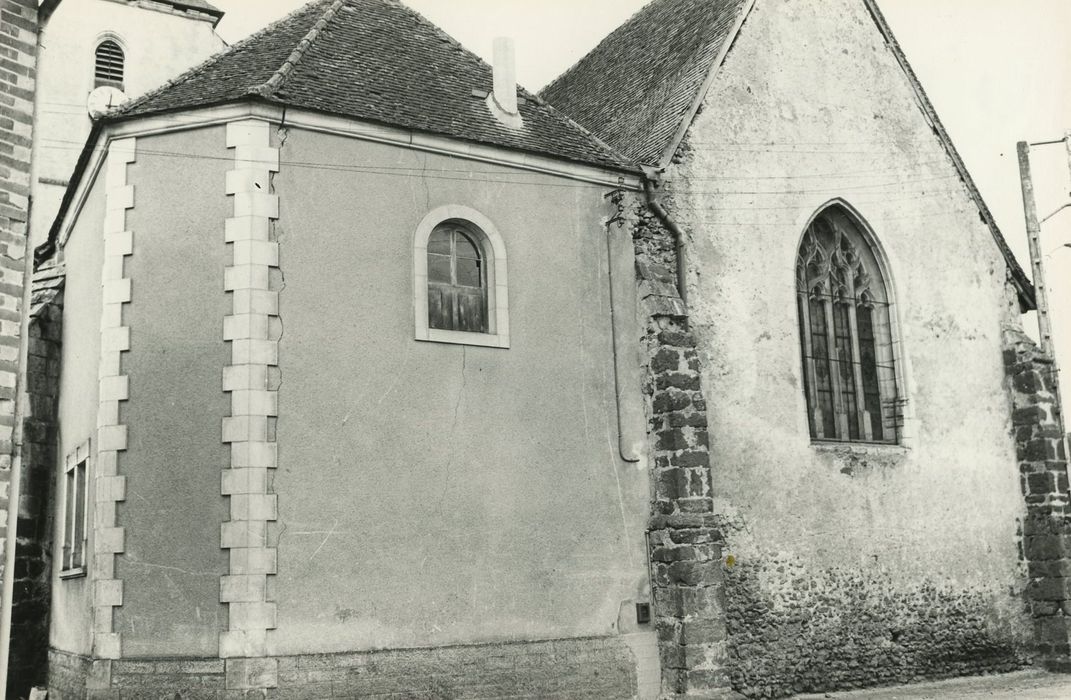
(846, 334)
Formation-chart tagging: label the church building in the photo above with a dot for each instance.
(357, 370)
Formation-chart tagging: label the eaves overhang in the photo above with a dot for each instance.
(119, 125)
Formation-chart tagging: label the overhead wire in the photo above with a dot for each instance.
(465, 174)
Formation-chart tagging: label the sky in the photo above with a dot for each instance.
(997, 71)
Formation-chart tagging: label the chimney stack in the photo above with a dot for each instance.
(505, 75)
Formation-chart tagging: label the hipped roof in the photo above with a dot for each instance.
(378, 61)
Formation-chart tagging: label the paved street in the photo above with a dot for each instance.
(1025, 685)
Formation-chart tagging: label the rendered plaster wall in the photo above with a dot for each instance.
(173, 509)
(71, 612)
(159, 42)
(850, 566)
(430, 493)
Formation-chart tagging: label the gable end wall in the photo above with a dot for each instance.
(852, 566)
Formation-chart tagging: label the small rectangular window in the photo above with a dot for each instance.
(75, 498)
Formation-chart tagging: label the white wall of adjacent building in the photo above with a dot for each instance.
(159, 42)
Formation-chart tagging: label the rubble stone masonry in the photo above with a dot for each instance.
(685, 544)
(568, 669)
(1046, 531)
(33, 561)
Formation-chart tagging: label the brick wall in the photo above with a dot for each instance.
(1046, 528)
(18, 53)
(596, 668)
(33, 561)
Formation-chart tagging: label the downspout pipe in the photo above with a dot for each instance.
(654, 203)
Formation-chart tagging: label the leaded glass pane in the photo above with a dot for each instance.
(842, 334)
(820, 354)
(869, 369)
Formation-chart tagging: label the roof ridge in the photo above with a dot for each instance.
(273, 83)
(181, 77)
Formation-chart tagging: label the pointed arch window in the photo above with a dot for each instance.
(109, 64)
(846, 333)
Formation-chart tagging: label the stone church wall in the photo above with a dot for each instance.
(848, 565)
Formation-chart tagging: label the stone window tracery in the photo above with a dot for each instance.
(846, 334)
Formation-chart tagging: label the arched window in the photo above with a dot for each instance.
(459, 279)
(457, 287)
(846, 331)
(108, 66)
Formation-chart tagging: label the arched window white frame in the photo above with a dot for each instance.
(109, 63)
(847, 332)
(460, 224)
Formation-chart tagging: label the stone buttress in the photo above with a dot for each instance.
(1038, 427)
(684, 541)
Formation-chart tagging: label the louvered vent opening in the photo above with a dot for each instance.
(109, 65)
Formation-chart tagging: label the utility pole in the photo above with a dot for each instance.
(1033, 233)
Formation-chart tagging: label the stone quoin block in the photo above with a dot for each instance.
(113, 387)
(251, 329)
(243, 588)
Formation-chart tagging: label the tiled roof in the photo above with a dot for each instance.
(374, 60)
(634, 88)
